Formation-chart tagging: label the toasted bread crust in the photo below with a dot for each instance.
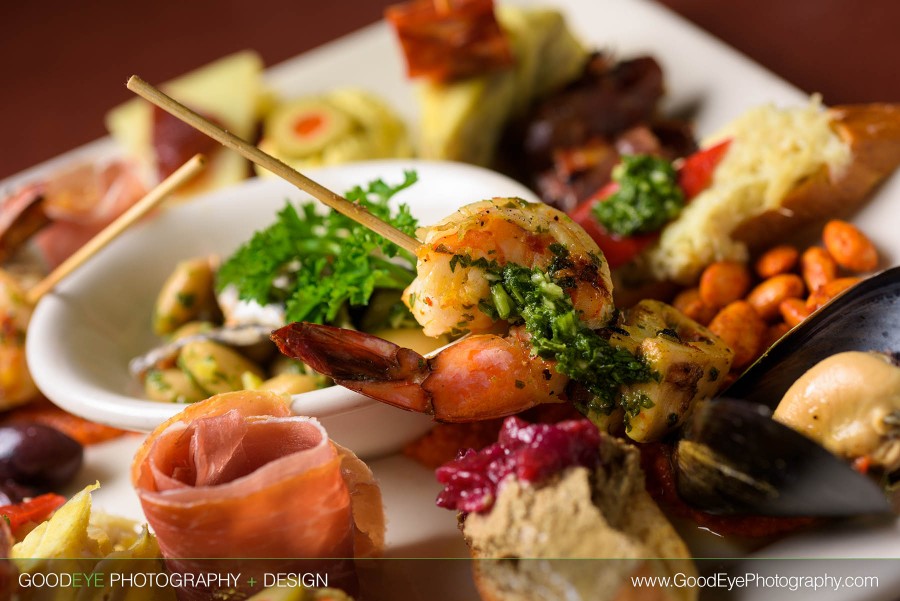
(873, 133)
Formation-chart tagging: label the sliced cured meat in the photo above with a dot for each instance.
(238, 477)
(175, 142)
(83, 201)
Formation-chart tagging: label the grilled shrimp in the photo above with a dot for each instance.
(451, 279)
(495, 371)
(16, 385)
(478, 377)
(485, 376)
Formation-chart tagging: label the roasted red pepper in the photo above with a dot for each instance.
(618, 250)
(444, 40)
(37, 509)
(696, 172)
(694, 175)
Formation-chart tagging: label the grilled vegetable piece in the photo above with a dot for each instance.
(689, 360)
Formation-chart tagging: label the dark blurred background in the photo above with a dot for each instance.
(63, 66)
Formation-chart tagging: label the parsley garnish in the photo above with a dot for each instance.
(648, 196)
(315, 262)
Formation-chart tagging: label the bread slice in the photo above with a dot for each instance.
(785, 168)
(582, 535)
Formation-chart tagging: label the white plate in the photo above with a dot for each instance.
(700, 71)
(83, 334)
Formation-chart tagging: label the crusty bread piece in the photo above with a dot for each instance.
(580, 536)
(872, 131)
(785, 168)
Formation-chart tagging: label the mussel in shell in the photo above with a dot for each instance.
(735, 459)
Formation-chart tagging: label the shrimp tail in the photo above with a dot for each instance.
(361, 362)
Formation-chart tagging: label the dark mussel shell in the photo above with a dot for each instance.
(734, 459)
(865, 318)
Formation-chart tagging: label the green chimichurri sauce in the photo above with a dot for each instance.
(538, 299)
(648, 197)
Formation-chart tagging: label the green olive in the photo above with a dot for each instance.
(172, 386)
(186, 294)
(216, 368)
(292, 383)
(306, 126)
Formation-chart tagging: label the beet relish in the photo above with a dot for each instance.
(531, 452)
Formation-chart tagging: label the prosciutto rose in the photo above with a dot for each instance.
(238, 478)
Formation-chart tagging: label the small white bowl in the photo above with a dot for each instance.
(84, 333)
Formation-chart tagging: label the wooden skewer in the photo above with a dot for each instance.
(114, 229)
(254, 154)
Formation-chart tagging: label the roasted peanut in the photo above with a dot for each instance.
(829, 291)
(817, 267)
(777, 260)
(767, 296)
(793, 311)
(689, 302)
(724, 282)
(742, 329)
(850, 248)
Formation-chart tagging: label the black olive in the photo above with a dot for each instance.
(11, 492)
(37, 456)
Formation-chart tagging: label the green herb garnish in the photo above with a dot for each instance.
(648, 196)
(633, 404)
(538, 299)
(315, 262)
